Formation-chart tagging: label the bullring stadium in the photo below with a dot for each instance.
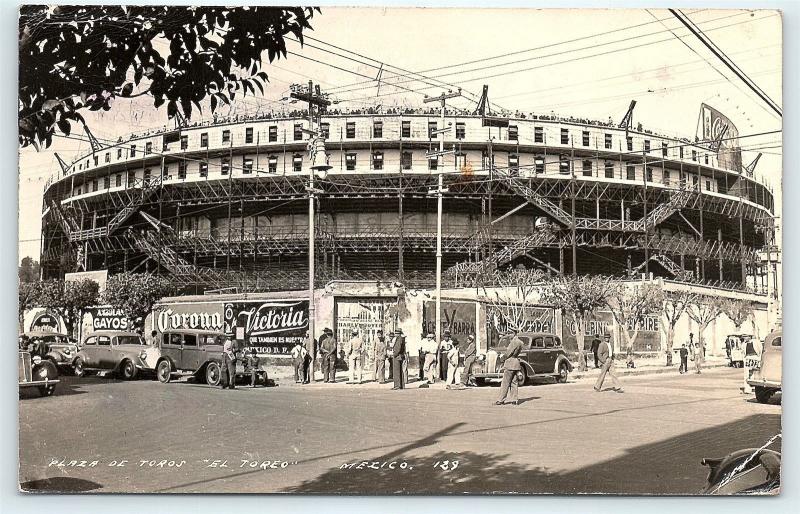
(222, 204)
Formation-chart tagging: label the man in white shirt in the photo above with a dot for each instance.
(354, 348)
(299, 353)
(430, 347)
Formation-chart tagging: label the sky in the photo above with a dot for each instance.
(573, 62)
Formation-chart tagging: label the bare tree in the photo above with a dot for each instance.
(674, 306)
(517, 292)
(578, 297)
(630, 305)
(703, 310)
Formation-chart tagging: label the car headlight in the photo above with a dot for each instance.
(67, 351)
(143, 355)
(36, 359)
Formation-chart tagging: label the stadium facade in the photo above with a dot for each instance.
(224, 205)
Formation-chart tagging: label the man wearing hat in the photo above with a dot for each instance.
(430, 348)
(328, 350)
(354, 348)
(606, 357)
(398, 345)
(509, 388)
(470, 352)
(379, 374)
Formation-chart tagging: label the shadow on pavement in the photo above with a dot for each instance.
(59, 485)
(670, 466)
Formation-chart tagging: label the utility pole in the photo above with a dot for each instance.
(318, 163)
(439, 169)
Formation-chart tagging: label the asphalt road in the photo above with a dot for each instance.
(563, 438)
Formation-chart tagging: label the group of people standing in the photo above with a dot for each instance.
(434, 357)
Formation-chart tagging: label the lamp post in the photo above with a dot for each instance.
(440, 189)
(319, 164)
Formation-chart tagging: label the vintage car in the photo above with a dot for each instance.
(754, 471)
(542, 356)
(198, 353)
(735, 346)
(57, 348)
(37, 372)
(124, 353)
(766, 379)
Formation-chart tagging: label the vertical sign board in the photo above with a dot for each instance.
(367, 315)
(271, 327)
(457, 317)
(716, 124)
(601, 323)
(536, 318)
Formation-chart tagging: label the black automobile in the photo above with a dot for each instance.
(542, 356)
(34, 371)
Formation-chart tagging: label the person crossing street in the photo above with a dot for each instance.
(509, 387)
(606, 358)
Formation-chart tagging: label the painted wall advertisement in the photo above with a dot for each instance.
(602, 323)
(104, 318)
(269, 326)
(46, 321)
(718, 127)
(457, 317)
(535, 318)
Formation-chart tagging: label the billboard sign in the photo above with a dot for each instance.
(100, 276)
(457, 317)
(717, 126)
(534, 319)
(105, 318)
(271, 327)
(45, 321)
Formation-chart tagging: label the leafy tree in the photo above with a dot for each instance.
(578, 297)
(68, 299)
(675, 305)
(135, 294)
(76, 57)
(739, 311)
(28, 270)
(629, 306)
(703, 310)
(28, 293)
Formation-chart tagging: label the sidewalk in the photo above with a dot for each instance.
(648, 367)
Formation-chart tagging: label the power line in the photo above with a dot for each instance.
(735, 69)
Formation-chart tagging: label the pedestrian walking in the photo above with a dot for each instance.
(606, 358)
(452, 363)
(298, 362)
(509, 387)
(354, 348)
(470, 354)
(398, 356)
(228, 373)
(595, 346)
(311, 358)
(379, 373)
(684, 353)
(699, 357)
(430, 347)
(328, 349)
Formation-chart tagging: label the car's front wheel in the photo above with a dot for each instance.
(128, 370)
(763, 394)
(563, 373)
(78, 368)
(164, 372)
(46, 371)
(212, 374)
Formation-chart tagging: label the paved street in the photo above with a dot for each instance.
(185, 437)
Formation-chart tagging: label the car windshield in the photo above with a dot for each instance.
(129, 340)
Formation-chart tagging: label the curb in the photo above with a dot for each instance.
(639, 372)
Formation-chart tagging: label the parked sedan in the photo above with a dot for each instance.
(124, 353)
(766, 380)
(56, 347)
(542, 356)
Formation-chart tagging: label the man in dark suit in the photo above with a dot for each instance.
(470, 353)
(379, 375)
(398, 356)
(311, 357)
(595, 346)
(328, 349)
(684, 353)
(511, 366)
